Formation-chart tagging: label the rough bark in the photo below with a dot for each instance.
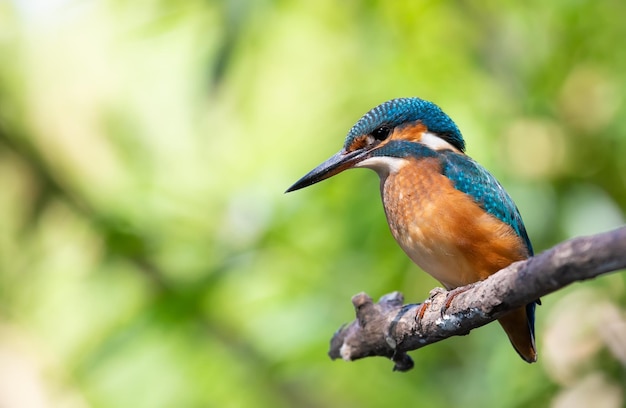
(389, 328)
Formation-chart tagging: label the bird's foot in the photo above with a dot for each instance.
(421, 309)
(451, 295)
(419, 313)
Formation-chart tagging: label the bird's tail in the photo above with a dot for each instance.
(519, 325)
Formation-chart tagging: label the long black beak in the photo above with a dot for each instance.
(334, 165)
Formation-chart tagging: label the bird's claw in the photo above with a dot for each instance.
(421, 309)
(451, 295)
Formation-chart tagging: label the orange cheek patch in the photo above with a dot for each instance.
(411, 133)
(358, 143)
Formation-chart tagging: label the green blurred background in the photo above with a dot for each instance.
(148, 255)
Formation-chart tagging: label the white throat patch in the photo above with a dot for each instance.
(383, 165)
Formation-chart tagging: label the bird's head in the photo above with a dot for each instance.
(382, 138)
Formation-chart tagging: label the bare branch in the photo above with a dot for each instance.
(389, 328)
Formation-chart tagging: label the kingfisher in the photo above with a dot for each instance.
(447, 212)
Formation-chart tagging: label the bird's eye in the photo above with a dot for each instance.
(381, 133)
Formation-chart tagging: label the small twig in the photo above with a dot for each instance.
(389, 329)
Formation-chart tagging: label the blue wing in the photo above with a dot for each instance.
(472, 179)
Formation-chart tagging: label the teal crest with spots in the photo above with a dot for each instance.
(397, 112)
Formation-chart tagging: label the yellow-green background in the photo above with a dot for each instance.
(148, 255)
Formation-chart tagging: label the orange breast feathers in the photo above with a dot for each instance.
(442, 229)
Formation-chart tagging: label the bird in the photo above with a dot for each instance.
(447, 212)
